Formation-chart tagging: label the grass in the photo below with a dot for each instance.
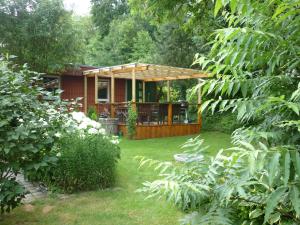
(120, 205)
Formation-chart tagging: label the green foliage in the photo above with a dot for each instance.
(92, 113)
(86, 162)
(41, 33)
(11, 194)
(105, 11)
(121, 44)
(223, 122)
(143, 47)
(131, 121)
(255, 74)
(28, 128)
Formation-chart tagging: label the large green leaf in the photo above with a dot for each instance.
(272, 202)
(218, 6)
(295, 198)
(287, 163)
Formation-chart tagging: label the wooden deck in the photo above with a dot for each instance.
(158, 131)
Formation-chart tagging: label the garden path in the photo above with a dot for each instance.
(35, 190)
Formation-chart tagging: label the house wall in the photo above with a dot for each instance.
(73, 87)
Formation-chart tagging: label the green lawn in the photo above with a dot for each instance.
(121, 205)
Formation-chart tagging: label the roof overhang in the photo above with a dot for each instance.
(146, 72)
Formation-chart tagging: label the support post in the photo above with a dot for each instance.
(133, 86)
(85, 94)
(144, 92)
(96, 89)
(168, 91)
(170, 114)
(133, 90)
(199, 102)
(112, 94)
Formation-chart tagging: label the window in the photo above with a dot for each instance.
(103, 91)
(51, 84)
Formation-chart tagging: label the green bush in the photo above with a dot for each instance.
(131, 121)
(223, 122)
(86, 162)
(29, 127)
(92, 113)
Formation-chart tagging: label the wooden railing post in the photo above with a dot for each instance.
(144, 92)
(168, 91)
(112, 94)
(96, 89)
(170, 113)
(133, 86)
(85, 94)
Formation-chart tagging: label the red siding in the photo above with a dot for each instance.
(120, 90)
(73, 87)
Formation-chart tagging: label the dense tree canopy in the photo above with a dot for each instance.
(41, 33)
(254, 62)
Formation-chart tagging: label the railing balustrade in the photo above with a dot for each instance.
(152, 113)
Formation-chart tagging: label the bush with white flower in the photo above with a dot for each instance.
(29, 128)
(87, 156)
(85, 125)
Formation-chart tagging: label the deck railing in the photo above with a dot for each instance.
(152, 113)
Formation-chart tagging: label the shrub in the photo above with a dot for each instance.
(223, 122)
(131, 121)
(92, 113)
(28, 128)
(11, 194)
(86, 162)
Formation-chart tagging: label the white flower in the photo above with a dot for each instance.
(58, 154)
(102, 131)
(114, 141)
(82, 126)
(78, 116)
(57, 134)
(92, 131)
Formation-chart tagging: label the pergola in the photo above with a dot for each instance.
(140, 71)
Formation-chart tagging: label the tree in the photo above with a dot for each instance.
(105, 11)
(257, 181)
(29, 127)
(41, 33)
(119, 46)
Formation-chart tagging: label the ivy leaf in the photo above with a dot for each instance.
(273, 201)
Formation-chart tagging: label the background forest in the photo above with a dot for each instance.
(45, 35)
(251, 51)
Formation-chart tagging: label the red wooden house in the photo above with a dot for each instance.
(109, 89)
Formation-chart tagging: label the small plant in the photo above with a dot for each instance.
(92, 113)
(131, 121)
(86, 162)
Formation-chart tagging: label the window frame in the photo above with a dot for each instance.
(106, 100)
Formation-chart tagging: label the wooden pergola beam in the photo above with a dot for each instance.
(146, 72)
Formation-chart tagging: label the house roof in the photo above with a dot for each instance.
(76, 70)
(146, 72)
